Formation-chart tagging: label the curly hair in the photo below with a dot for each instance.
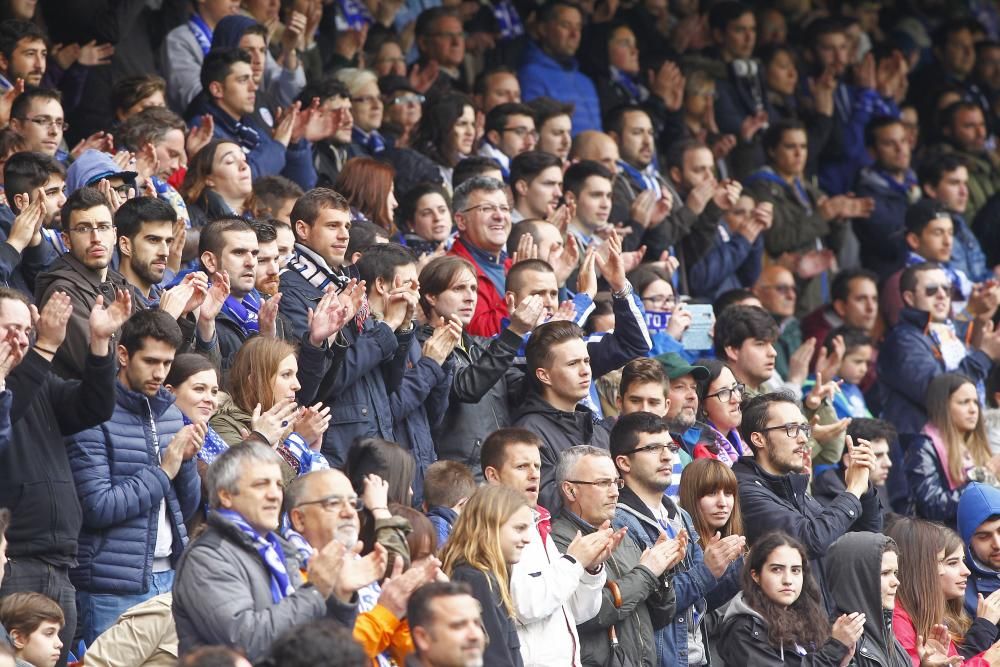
(803, 622)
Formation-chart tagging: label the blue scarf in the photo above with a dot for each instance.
(643, 180)
(213, 446)
(247, 137)
(798, 189)
(373, 141)
(270, 552)
(354, 15)
(636, 92)
(202, 33)
(508, 19)
(245, 313)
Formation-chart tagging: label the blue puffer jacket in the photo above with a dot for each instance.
(979, 503)
(541, 75)
(697, 590)
(120, 484)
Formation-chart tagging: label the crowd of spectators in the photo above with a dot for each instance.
(523, 333)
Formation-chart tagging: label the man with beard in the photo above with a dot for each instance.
(979, 524)
(31, 179)
(322, 508)
(145, 235)
(682, 410)
(228, 251)
(268, 260)
(84, 273)
(139, 475)
(773, 488)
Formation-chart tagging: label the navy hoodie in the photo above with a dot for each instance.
(979, 503)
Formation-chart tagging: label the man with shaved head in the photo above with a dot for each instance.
(777, 293)
(596, 146)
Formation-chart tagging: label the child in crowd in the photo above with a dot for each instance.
(447, 485)
(857, 358)
(34, 622)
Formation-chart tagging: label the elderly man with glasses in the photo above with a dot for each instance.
(639, 580)
(773, 485)
(322, 507)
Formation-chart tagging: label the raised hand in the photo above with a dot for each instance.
(92, 54)
(828, 363)
(105, 321)
(443, 341)
(329, 317)
(267, 318)
(398, 587)
(586, 277)
(115, 200)
(274, 423)
(565, 312)
(722, 552)
(821, 391)
(184, 446)
(422, 77)
(562, 216)
(375, 495)
(199, 135)
(727, 193)
(526, 249)
(311, 423)
(668, 84)
(50, 324)
(613, 267)
(861, 461)
(679, 322)
(27, 226)
(847, 629)
(324, 567)
(285, 123)
(564, 259)
(356, 573)
(7, 100)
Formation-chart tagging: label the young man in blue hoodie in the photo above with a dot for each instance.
(979, 525)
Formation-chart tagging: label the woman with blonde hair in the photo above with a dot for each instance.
(494, 527)
(261, 402)
(217, 182)
(951, 450)
(930, 599)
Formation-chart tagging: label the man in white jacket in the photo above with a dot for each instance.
(552, 592)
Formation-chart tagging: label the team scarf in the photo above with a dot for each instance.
(373, 141)
(270, 552)
(247, 137)
(244, 313)
(315, 271)
(213, 446)
(202, 33)
(508, 19)
(644, 179)
(636, 91)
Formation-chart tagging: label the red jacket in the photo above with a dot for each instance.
(491, 308)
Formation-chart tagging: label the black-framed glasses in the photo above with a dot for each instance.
(601, 483)
(654, 449)
(87, 230)
(488, 209)
(933, 289)
(791, 430)
(660, 300)
(727, 392)
(522, 132)
(336, 503)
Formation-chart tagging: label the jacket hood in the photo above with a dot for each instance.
(91, 166)
(853, 570)
(978, 503)
(739, 607)
(229, 410)
(229, 31)
(71, 270)
(576, 424)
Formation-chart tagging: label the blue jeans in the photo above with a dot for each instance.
(99, 611)
(33, 575)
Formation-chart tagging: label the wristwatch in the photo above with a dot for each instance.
(625, 291)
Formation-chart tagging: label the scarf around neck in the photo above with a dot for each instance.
(244, 313)
(270, 553)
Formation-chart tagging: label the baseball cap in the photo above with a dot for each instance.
(675, 366)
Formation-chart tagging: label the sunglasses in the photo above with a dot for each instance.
(932, 289)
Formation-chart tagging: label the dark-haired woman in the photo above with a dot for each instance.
(778, 618)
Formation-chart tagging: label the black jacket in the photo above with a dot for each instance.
(504, 648)
(743, 641)
(854, 575)
(485, 381)
(559, 431)
(931, 496)
(36, 481)
(772, 502)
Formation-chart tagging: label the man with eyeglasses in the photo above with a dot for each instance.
(37, 115)
(322, 507)
(589, 488)
(509, 131)
(239, 582)
(925, 343)
(777, 293)
(552, 591)
(84, 273)
(774, 487)
(643, 451)
(440, 39)
(482, 216)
